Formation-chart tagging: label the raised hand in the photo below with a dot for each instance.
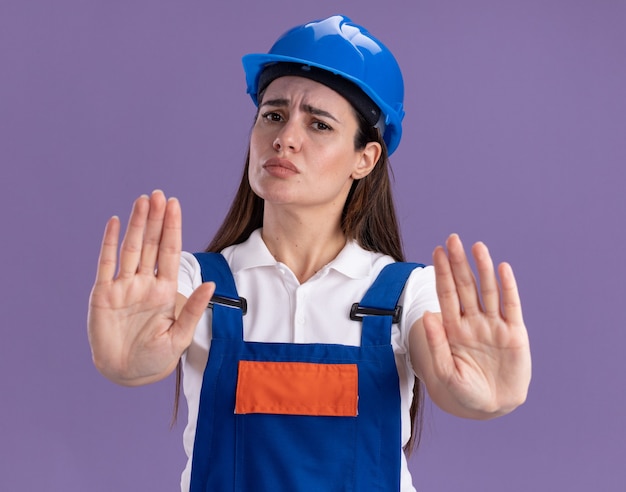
(478, 362)
(134, 333)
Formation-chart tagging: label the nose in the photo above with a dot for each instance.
(289, 138)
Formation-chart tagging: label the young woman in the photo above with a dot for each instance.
(300, 374)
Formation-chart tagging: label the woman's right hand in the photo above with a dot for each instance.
(135, 334)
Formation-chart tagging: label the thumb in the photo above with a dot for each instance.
(184, 327)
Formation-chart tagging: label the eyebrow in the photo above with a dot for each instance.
(280, 103)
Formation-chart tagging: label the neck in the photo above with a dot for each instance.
(305, 242)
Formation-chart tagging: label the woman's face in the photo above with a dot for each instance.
(302, 146)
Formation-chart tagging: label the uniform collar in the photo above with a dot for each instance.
(352, 261)
(251, 254)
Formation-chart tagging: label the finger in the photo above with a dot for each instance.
(171, 242)
(152, 234)
(511, 304)
(489, 289)
(107, 260)
(438, 346)
(130, 252)
(463, 276)
(446, 289)
(191, 313)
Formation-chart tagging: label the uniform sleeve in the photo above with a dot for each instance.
(189, 274)
(419, 296)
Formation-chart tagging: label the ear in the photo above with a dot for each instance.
(368, 158)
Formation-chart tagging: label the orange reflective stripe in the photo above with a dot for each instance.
(297, 388)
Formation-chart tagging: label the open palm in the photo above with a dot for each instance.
(134, 333)
(479, 349)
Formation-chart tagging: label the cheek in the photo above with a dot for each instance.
(261, 139)
(254, 162)
(254, 138)
(338, 165)
(256, 146)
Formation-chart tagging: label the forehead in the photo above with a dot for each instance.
(301, 89)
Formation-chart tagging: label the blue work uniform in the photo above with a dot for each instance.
(291, 417)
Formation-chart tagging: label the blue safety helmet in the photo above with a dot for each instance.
(339, 46)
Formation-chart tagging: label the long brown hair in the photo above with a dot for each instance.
(368, 217)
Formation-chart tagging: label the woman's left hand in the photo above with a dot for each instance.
(478, 363)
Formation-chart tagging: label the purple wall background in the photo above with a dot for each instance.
(515, 134)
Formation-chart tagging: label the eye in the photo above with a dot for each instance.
(272, 116)
(321, 126)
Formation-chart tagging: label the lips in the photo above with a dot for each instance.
(280, 167)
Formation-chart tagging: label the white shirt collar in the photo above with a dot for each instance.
(352, 261)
